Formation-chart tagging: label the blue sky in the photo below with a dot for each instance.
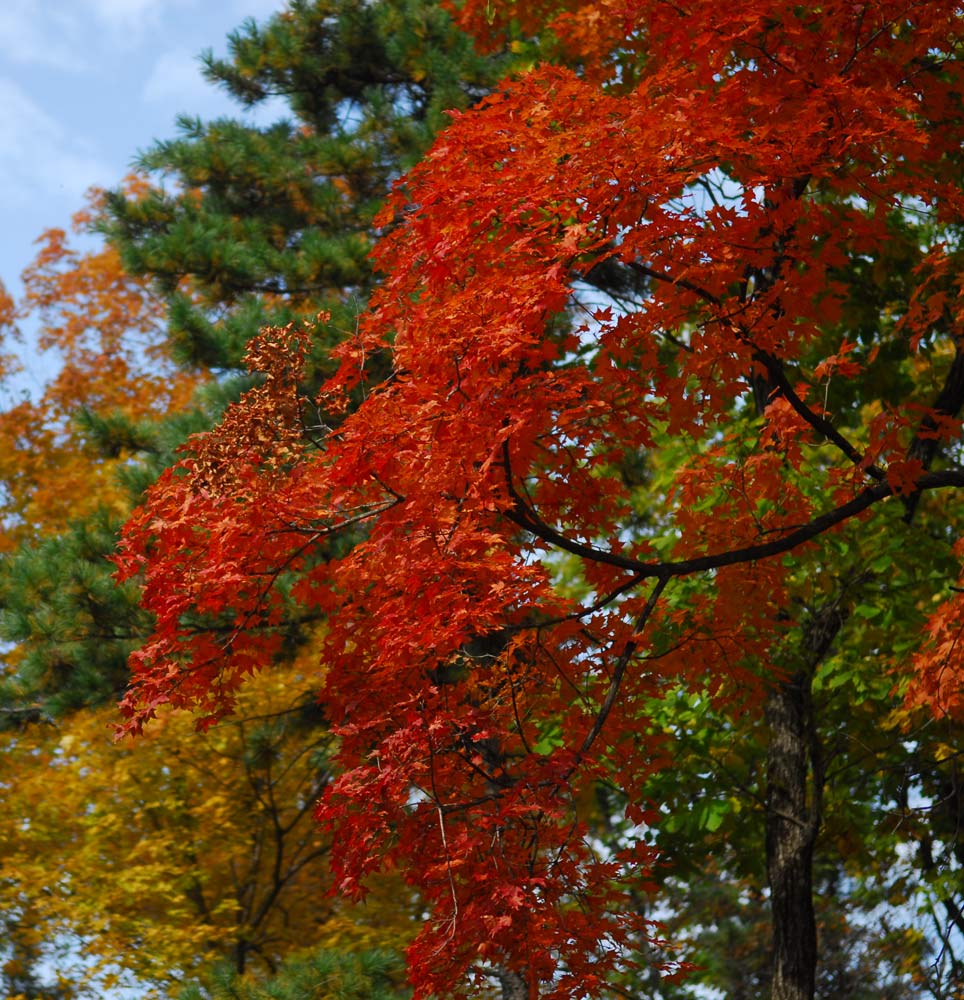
(85, 84)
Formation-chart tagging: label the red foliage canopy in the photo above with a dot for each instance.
(727, 161)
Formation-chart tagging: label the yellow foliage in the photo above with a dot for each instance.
(153, 859)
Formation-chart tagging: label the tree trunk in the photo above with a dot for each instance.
(791, 828)
(794, 801)
(514, 986)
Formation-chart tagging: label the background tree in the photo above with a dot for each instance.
(62, 489)
(324, 975)
(260, 226)
(148, 867)
(102, 329)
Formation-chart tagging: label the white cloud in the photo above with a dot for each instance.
(75, 35)
(176, 77)
(84, 84)
(132, 19)
(175, 82)
(69, 34)
(39, 159)
(260, 10)
(51, 40)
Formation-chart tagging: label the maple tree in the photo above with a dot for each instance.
(736, 166)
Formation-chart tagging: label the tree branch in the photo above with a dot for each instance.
(620, 668)
(774, 367)
(528, 519)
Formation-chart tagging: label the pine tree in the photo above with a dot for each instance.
(324, 975)
(253, 226)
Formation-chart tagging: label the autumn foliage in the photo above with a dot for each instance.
(154, 861)
(101, 331)
(725, 169)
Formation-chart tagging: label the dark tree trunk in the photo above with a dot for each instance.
(791, 828)
(795, 777)
(514, 986)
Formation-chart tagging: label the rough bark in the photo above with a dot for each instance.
(514, 986)
(795, 779)
(791, 832)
